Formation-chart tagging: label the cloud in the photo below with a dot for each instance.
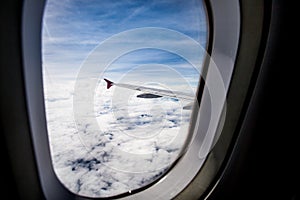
(127, 152)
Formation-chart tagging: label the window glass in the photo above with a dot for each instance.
(108, 137)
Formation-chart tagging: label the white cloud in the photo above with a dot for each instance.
(126, 153)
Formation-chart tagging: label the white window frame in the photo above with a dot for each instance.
(226, 29)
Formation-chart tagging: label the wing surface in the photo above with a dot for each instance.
(155, 92)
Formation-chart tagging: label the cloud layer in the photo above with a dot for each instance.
(129, 150)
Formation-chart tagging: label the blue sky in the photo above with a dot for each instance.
(73, 28)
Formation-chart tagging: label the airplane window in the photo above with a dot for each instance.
(120, 84)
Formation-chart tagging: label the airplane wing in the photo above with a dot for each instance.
(153, 92)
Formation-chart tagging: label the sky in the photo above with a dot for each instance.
(125, 151)
(73, 28)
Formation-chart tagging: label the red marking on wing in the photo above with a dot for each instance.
(109, 83)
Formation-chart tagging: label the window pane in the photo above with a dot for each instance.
(110, 138)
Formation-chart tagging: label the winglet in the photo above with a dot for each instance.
(109, 83)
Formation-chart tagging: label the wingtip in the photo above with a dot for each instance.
(109, 83)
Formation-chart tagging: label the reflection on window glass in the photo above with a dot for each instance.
(108, 137)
